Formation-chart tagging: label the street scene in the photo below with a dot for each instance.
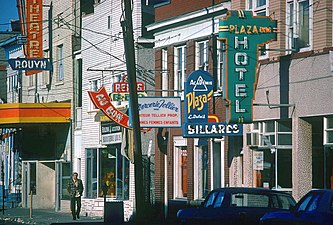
(166, 112)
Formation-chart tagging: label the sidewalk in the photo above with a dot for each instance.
(43, 217)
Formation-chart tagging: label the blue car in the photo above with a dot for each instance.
(315, 208)
(236, 206)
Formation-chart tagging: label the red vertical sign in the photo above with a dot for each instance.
(34, 28)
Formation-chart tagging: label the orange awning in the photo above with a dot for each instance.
(17, 113)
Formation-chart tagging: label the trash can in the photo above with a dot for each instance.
(114, 213)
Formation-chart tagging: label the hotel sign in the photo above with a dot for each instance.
(243, 33)
(198, 91)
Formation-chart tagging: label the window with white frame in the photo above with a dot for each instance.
(95, 85)
(220, 64)
(60, 62)
(45, 74)
(180, 70)
(328, 131)
(180, 167)
(165, 79)
(202, 55)
(12, 81)
(260, 8)
(274, 150)
(32, 80)
(299, 25)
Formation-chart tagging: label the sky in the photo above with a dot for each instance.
(8, 12)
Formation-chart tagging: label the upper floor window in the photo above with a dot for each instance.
(220, 64)
(95, 85)
(45, 74)
(299, 26)
(259, 8)
(202, 55)
(60, 62)
(165, 79)
(180, 70)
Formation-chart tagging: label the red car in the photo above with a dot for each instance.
(315, 208)
(236, 206)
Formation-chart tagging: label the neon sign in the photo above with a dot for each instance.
(243, 34)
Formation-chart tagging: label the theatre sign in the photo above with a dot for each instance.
(243, 33)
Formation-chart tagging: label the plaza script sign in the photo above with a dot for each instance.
(198, 91)
(243, 33)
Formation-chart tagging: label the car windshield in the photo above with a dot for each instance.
(215, 199)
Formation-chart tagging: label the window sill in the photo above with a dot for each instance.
(59, 83)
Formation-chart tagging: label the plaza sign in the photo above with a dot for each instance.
(243, 33)
(198, 91)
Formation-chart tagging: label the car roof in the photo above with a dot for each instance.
(250, 190)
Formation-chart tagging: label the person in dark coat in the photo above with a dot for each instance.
(75, 189)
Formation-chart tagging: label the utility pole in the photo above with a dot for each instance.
(127, 28)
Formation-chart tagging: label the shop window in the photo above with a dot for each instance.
(91, 173)
(32, 178)
(217, 165)
(275, 137)
(180, 168)
(113, 173)
(201, 171)
(273, 169)
(180, 70)
(65, 177)
(328, 131)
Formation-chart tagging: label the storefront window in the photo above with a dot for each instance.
(201, 171)
(181, 172)
(32, 178)
(65, 176)
(272, 164)
(91, 173)
(113, 173)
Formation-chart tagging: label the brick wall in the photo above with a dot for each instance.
(322, 24)
(180, 7)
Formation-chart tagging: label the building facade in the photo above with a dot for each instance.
(102, 159)
(38, 111)
(185, 41)
(292, 120)
(288, 145)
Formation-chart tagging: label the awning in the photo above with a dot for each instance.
(18, 113)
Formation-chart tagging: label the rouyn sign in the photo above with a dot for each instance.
(243, 33)
(198, 91)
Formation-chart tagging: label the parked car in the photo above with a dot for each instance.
(315, 208)
(236, 206)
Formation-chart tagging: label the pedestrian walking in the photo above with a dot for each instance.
(75, 189)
